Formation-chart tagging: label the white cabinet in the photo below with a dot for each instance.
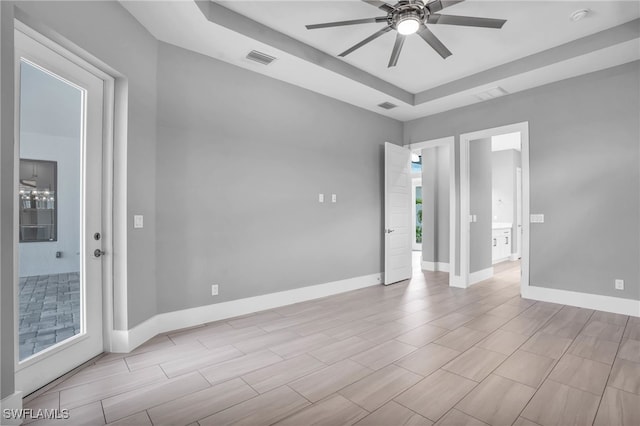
(501, 244)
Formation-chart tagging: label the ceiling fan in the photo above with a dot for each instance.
(412, 17)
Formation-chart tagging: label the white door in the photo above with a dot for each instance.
(397, 213)
(59, 110)
(519, 212)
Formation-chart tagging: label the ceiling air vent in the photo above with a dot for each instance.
(387, 105)
(494, 92)
(260, 57)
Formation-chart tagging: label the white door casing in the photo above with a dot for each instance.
(465, 139)
(397, 213)
(518, 212)
(51, 363)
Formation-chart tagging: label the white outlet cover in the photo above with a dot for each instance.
(321, 198)
(138, 221)
(214, 290)
(619, 284)
(334, 198)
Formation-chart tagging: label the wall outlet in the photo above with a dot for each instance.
(334, 198)
(138, 221)
(321, 198)
(619, 284)
(214, 290)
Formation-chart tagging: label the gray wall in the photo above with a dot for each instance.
(503, 184)
(504, 165)
(429, 204)
(241, 159)
(480, 204)
(108, 32)
(584, 159)
(435, 204)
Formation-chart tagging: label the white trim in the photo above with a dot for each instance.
(465, 139)
(616, 305)
(514, 257)
(481, 275)
(457, 282)
(435, 266)
(126, 341)
(449, 142)
(13, 403)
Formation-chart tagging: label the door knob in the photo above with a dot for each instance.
(98, 253)
(390, 231)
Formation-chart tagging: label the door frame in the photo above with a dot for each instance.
(448, 142)
(108, 141)
(465, 139)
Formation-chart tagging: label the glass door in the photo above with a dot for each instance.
(59, 214)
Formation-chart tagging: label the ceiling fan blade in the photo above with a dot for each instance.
(438, 5)
(366, 40)
(467, 21)
(395, 53)
(351, 22)
(434, 42)
(380, 5)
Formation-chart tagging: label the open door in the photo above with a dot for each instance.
(397, 213)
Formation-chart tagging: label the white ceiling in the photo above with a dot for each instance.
(532, 27)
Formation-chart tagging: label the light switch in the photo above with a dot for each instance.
(321, 198)
(334, 198)
(138, 221)
(537, 218)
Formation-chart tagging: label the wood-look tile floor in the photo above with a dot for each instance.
(413, 353)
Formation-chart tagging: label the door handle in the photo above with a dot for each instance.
(390, 231)
(98, 253)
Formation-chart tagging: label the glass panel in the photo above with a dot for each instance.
(418, 214)
(50, 206)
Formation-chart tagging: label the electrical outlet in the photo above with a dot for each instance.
(334, 198)
(321, 198)
(214, 290)
(619, 284)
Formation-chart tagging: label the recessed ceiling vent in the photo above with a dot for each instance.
(260, 57)
(494, 92)
(387, 105)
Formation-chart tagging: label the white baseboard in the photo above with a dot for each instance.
(476, 277)
(126, 341)
(616, 305)
(514, 257)
(435, 266)
(457, 281)
(11, 409)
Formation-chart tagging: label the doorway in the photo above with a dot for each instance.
(494, 200)
(59, 213)
(433, 174)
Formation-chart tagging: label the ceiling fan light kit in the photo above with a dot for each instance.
(408, 17)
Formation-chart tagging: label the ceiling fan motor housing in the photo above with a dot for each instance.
(405, 11)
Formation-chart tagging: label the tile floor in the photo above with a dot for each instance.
(414, 353)
(49, 311)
